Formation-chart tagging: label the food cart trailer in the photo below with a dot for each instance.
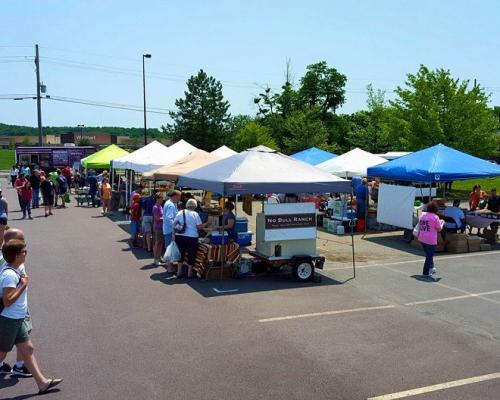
(286, 237)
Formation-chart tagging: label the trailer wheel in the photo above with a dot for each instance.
(303, 270)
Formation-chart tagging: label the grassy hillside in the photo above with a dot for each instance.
(7, 159)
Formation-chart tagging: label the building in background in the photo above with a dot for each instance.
(88, 138)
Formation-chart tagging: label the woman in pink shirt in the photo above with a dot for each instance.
(429, 226)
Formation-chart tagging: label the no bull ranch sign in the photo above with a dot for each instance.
(290, 221)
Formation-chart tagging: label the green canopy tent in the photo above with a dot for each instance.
(102, 159)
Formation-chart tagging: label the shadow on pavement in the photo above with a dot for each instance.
(248, 284)
(394, 241)
(8, 381)
(422, 278)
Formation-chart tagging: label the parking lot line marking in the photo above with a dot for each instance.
(465, 296)
(413, 260)
(334, 312)
(448, 287)
(434, 388)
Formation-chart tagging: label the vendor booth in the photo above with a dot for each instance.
(286, 233)
(313, 156)
(223, 152)
(353, 163)
(436, 164)
(102, 159)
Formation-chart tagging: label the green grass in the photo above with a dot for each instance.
(463, 188)
(7, 159)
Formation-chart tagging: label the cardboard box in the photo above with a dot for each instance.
(485, 247)
(456, 238)
(474, 243)
(457, 247)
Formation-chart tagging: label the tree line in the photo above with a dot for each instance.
(430, 107)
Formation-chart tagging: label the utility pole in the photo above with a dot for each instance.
(144, 97)
(38, 97)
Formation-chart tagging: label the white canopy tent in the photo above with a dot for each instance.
(223, 152)
(257, 172)
(151, 156)
(353, 163)
(262, 148)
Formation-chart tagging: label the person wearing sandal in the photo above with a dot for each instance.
(187, 222)
(12, 329)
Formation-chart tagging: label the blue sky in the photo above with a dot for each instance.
(244, 44)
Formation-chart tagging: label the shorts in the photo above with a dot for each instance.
(134, 227)
(147, 224)
(188, 246)
(12, 331)
(3, 220)
(48, 200)
(158, 235)
(167, 238)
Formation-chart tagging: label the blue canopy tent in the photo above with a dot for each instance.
(438, 163)
(313, 156)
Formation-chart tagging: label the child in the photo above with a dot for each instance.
(135, 218)
(26, 197)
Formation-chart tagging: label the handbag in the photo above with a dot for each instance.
(182, 229)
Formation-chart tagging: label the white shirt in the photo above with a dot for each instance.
(169, 213)
(10, 279)
(457, 214)
(192, 221)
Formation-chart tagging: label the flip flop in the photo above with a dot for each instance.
(52, 384)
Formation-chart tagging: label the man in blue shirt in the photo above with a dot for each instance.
(361, 193)
(169, 213)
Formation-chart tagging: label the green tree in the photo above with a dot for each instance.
(233, 126)
(322, 86)
(202, 114)
(304, 130)
(434, 107)
(83, 141)
(369, 129)
(254, 134)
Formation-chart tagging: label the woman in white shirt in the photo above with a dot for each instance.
(187, 222)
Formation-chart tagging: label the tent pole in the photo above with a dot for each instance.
(223, 258)
(352, 240)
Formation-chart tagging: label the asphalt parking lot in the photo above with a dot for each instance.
(115, 327)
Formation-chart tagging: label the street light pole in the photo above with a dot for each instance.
(38, 97)
(144, 96)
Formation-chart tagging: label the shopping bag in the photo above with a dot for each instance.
(67, 199)
(416, 230)
(172, 254)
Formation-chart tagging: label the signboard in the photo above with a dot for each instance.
(395, 205)
(60, 158)
(289, 221)
(75, 155)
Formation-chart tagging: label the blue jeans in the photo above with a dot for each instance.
(168, 239)
(26, 207)
(36, 198)
(429, 257)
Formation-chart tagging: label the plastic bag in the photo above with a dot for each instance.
(172, 254)
(416, 230)
(67, 199)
